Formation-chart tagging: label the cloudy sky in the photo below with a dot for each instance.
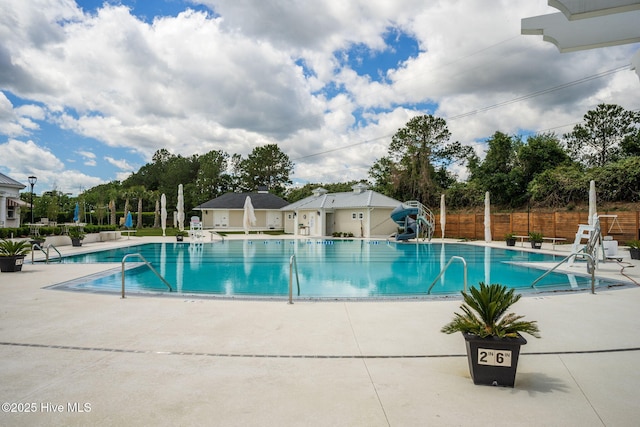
(89, 90)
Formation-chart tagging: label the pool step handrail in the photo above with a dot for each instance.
(148, 265)
(215, 233)
(293, 264)
(590, 251)
(36, 246)
(591, 268)
(55, 249)
(453, 258)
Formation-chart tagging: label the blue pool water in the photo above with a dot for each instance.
(326, 268)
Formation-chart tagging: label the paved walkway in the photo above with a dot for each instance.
(92, 359)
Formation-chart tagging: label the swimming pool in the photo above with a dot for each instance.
(326, 269)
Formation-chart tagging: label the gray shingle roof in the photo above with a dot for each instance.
(5, 181)
(236, 201)
(365, 199)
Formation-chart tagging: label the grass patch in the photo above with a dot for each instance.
(170, 231)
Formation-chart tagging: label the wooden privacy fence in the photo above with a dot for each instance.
(623, 227)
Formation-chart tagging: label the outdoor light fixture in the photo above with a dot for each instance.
(32, 181)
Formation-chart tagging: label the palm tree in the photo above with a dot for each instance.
(113, 195)
(139, 192)
(156, 217)
(128, 193)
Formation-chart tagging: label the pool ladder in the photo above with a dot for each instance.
(453, 258)
(148, 265)
(591, 268)
(293, 264)
(589, 251)
(45, 252)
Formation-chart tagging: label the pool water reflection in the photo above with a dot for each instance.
(327, 268)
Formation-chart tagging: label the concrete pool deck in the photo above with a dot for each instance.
(188, 361)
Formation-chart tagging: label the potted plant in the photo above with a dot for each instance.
(76, 234)
(536, 240)
(180, 235)
(510, 238)
(634, 249)
(36, 240)
(492, 336)
(12, 254)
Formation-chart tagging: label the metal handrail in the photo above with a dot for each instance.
(591, 263)
(33, 249)
(148, 265)
(216, 234)
(464, 264)
(55, 249)
(293, 263)
(36, 246)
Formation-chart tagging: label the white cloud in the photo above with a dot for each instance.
(232, 79)
(16, 155)
(89, 158)
(16, 122)
(119, 163)
(18, 158)
(86, 154)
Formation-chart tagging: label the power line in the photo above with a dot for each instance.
(542, 92)
(490, 107)
(573, 124)
(343, 147)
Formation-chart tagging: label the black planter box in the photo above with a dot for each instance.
(511, 241)
(536, 245)
(492, 360)
(635, 253)
(11, 264)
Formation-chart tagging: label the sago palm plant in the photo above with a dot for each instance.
(10, 248)
(485, 314)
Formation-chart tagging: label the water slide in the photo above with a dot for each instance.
(411, 217)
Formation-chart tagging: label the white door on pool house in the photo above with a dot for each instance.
(220, 219)
(274, 220)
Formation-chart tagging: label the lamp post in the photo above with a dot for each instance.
(32, 181)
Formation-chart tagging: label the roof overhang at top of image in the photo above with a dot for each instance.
(591, 33)
(588, 24)
(582, 9)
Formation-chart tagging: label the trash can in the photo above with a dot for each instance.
(610, 247)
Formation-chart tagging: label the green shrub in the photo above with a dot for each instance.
(14, 247)
(485, 314)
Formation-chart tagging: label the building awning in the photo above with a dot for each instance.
(15, 202)
(587, 24)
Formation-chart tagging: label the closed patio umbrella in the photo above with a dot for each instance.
(180, 208)
(76, 213)
(163, 213)
(128, 222)
(592, 202)
(249, 217)
(487, 218)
